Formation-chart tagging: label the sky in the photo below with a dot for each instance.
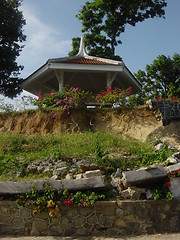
(51, 25)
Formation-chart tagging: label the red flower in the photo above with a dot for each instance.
(178, 170)
(170, 175)
(40, 97)
(159, 99)
(167, 184)
(174, 98)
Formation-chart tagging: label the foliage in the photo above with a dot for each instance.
(11, 39)
(137, 99)
(48, 200)
(6, 107)
(103, 22)
(75, 46)
(162, 191)
(150, 157)
(39, 202)
(117, 96)
(81, 199)
(144, 157)
(18, 151)
(162, 77)
(65, 100)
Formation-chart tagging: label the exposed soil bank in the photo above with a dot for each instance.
(139, 123)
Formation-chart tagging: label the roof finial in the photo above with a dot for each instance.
(82, 51)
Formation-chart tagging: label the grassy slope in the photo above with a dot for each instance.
(17, 151)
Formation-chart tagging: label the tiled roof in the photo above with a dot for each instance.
(86, 61)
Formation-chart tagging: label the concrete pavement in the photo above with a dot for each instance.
(174, 236)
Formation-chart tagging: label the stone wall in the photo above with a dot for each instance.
(169, 110)
(105, 218)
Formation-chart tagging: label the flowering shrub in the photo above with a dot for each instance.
(137, 99)
(47, 201)
(169, 99)
(117, 96)
(163, 191)
(39, 202)
(79, 198)
(67, 99)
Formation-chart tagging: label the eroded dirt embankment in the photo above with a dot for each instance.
(138, 123)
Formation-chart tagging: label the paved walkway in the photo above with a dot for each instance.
(175, 236)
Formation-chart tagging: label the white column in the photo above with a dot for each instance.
(60, 78)
(110, 78)
(61, 81)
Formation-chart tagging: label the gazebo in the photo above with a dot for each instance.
(83, 71)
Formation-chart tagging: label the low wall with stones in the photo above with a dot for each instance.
(169, 110)
(114, 218)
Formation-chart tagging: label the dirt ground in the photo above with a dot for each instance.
(139, 123)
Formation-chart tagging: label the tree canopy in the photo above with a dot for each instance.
(103, 22)
(11, 40)
(162, 77)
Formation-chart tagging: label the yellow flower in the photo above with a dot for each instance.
(51, 212)
(56, 210)
(50, 203)
(36, 210)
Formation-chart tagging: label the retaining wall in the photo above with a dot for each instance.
(104, 218)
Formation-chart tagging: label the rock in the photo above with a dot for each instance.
(32, 169)
(171, 160)
(174, 159)
(175, 187)
(47, 169)
(144, 176)
(94, 173)
(149, 103)
(40, 169)
(133, 193)
(117, 174)
(69, 176)
(73, 170)
(149, 194)
(61, 164)
(54, 177)
(158, 146)
(60, 172)
(21, 173)
(176, 156)
(120, 187)
(173, 168)
(156, 142)
(86, 166)
(79, 176)
(172, 148)
(115, 181)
